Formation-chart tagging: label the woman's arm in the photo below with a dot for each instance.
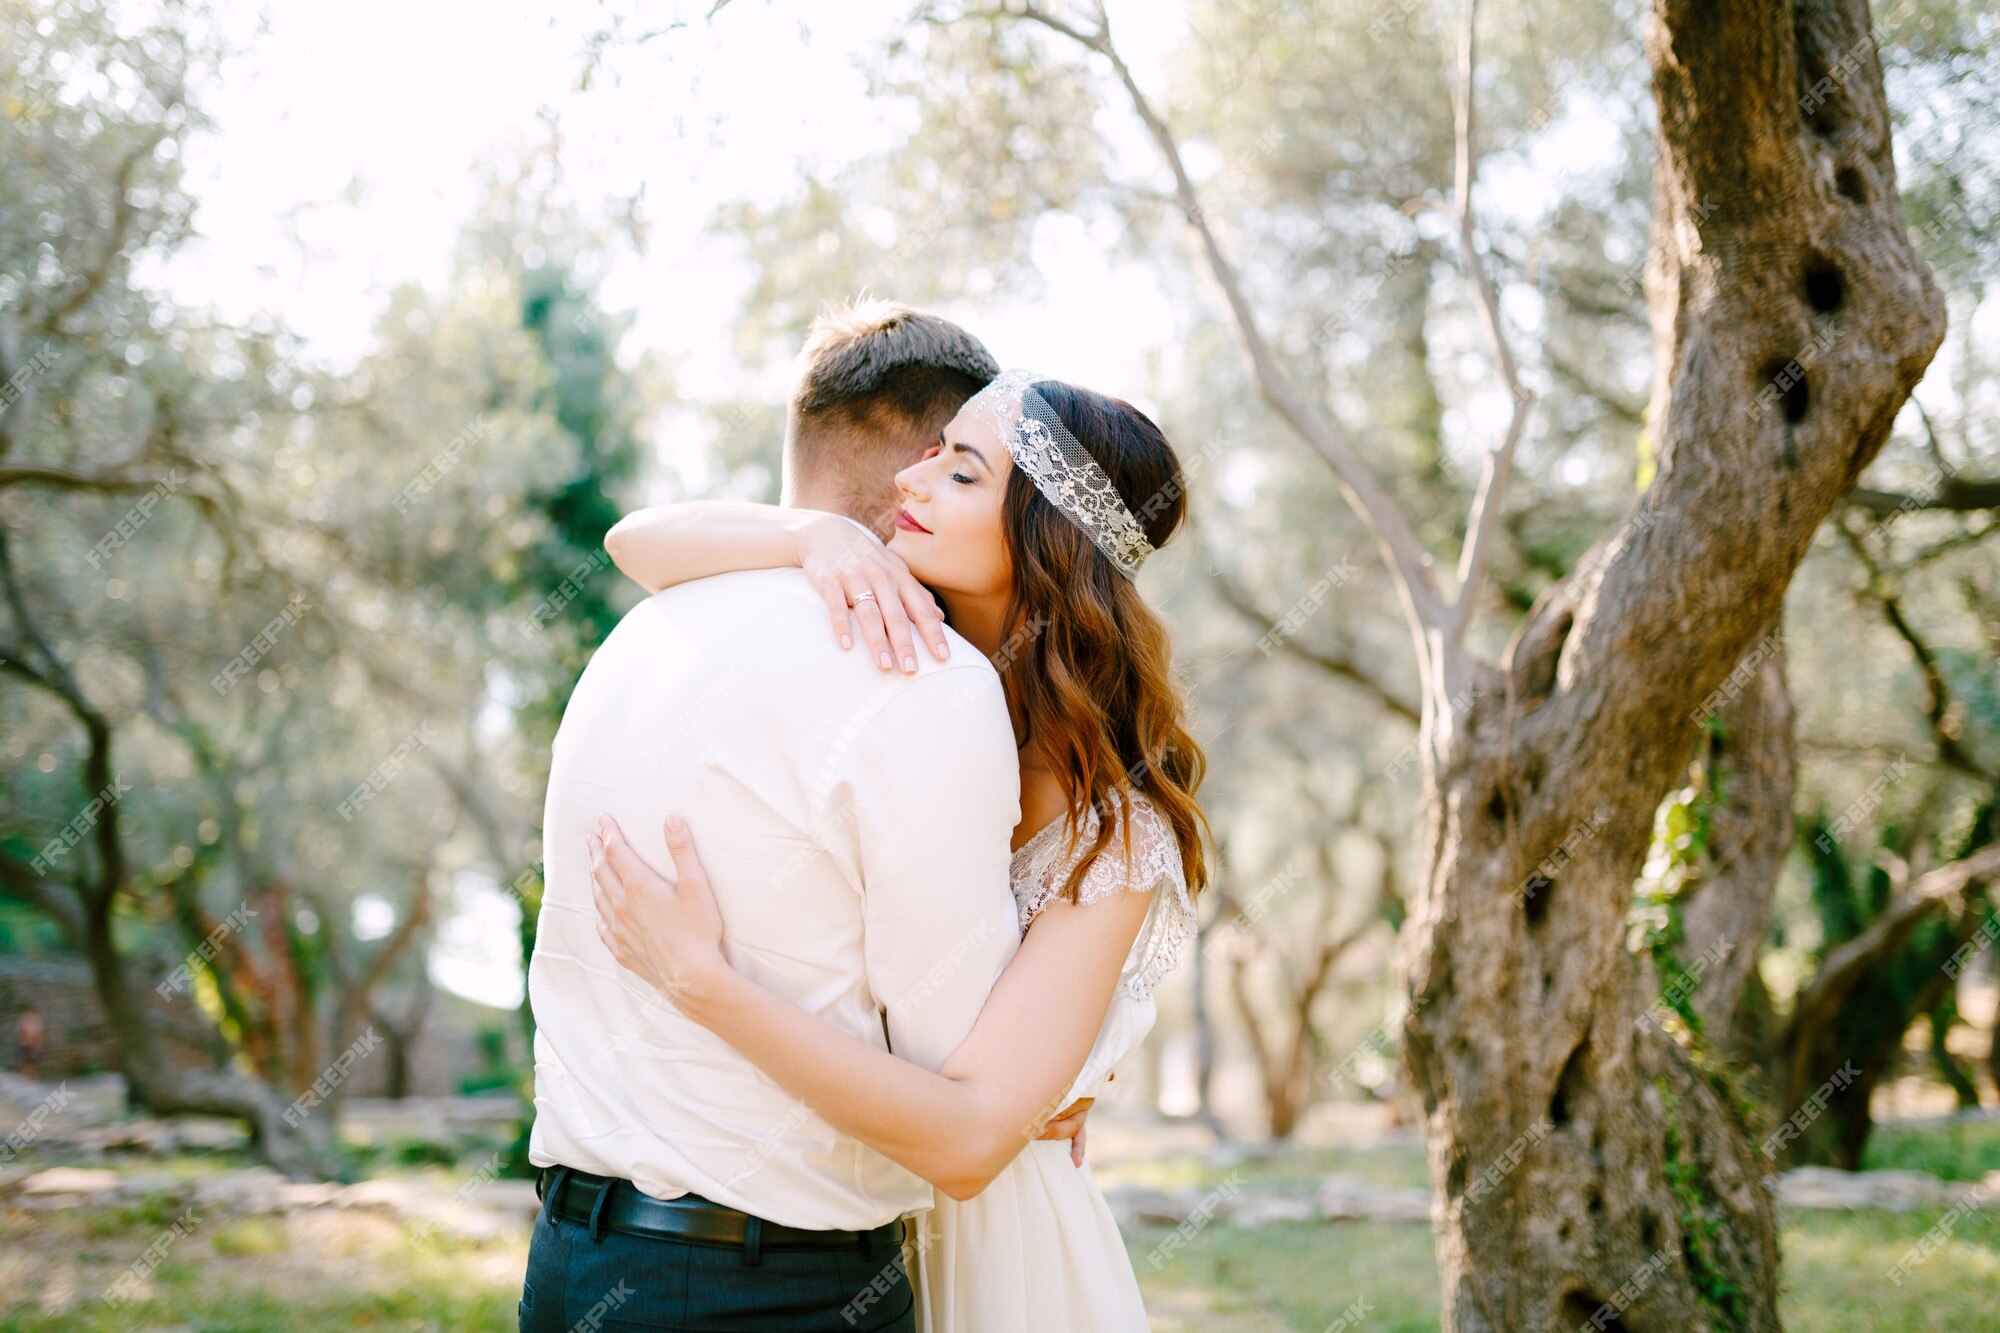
(957, 1128)
(664, 545)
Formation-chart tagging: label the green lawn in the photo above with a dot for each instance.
(1959, 1150)
(340, 1271)
(1302, 1277)
(360, 1270)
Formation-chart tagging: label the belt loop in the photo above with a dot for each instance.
(597, 1209)
(554, 1196)
(753, 1242)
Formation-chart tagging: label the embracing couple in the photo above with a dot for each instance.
(863, 859)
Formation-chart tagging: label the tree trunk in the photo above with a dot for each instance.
(1582, 1171)
(1847, 1024)
(1726, 914)
(1204, 1035)
(162, 1087)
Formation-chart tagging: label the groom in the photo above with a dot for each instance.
(856, 826)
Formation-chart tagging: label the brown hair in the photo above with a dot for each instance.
(1087, 664)
(877, 380)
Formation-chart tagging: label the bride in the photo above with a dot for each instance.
(1028, 519)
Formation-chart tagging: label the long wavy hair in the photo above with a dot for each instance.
(1085, 662)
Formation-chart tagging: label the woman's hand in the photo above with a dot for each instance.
(1069, 1124)
(670, 935)
(852, 569)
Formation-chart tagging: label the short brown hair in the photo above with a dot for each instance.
(873, 377)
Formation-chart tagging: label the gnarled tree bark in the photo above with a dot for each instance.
(1726, 913)
(1582, 1169)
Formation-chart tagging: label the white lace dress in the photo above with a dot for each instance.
(1038, 1249)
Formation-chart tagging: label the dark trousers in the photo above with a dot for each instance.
(584, 1282)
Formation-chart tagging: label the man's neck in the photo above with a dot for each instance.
(844, 505)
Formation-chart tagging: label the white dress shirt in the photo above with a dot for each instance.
(855, 825)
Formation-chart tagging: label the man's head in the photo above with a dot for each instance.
(877, 381)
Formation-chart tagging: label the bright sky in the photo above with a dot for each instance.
(362, 123)
(343, 163)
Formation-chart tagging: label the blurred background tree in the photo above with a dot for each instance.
(401, 555)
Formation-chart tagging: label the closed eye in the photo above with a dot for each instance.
(961, 479)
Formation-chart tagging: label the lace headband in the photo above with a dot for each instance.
(1062, 470)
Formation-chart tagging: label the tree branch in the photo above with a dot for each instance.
(54, 676)
(1404, 554)
(1844, 965)
(62, 479)
(1239, 600)
(1499, 465)
(1956, 494)
(1937, 693)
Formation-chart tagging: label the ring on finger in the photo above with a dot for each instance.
(861, 597)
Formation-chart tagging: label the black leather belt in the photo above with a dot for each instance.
(603, 1204)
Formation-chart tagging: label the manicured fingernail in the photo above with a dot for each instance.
(674, 822)
(846, 641)
(940, 652)
(592, 842)
(604, 823)
(910, 664)
(887, 662)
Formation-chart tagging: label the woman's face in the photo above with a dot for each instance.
(948, 529)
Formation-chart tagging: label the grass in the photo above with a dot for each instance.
(1836, 1276)
(355, 1269)
(315, 1270)
(360, 1271)
(1955, 1150)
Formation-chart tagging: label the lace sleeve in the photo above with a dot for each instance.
(1155, 868)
